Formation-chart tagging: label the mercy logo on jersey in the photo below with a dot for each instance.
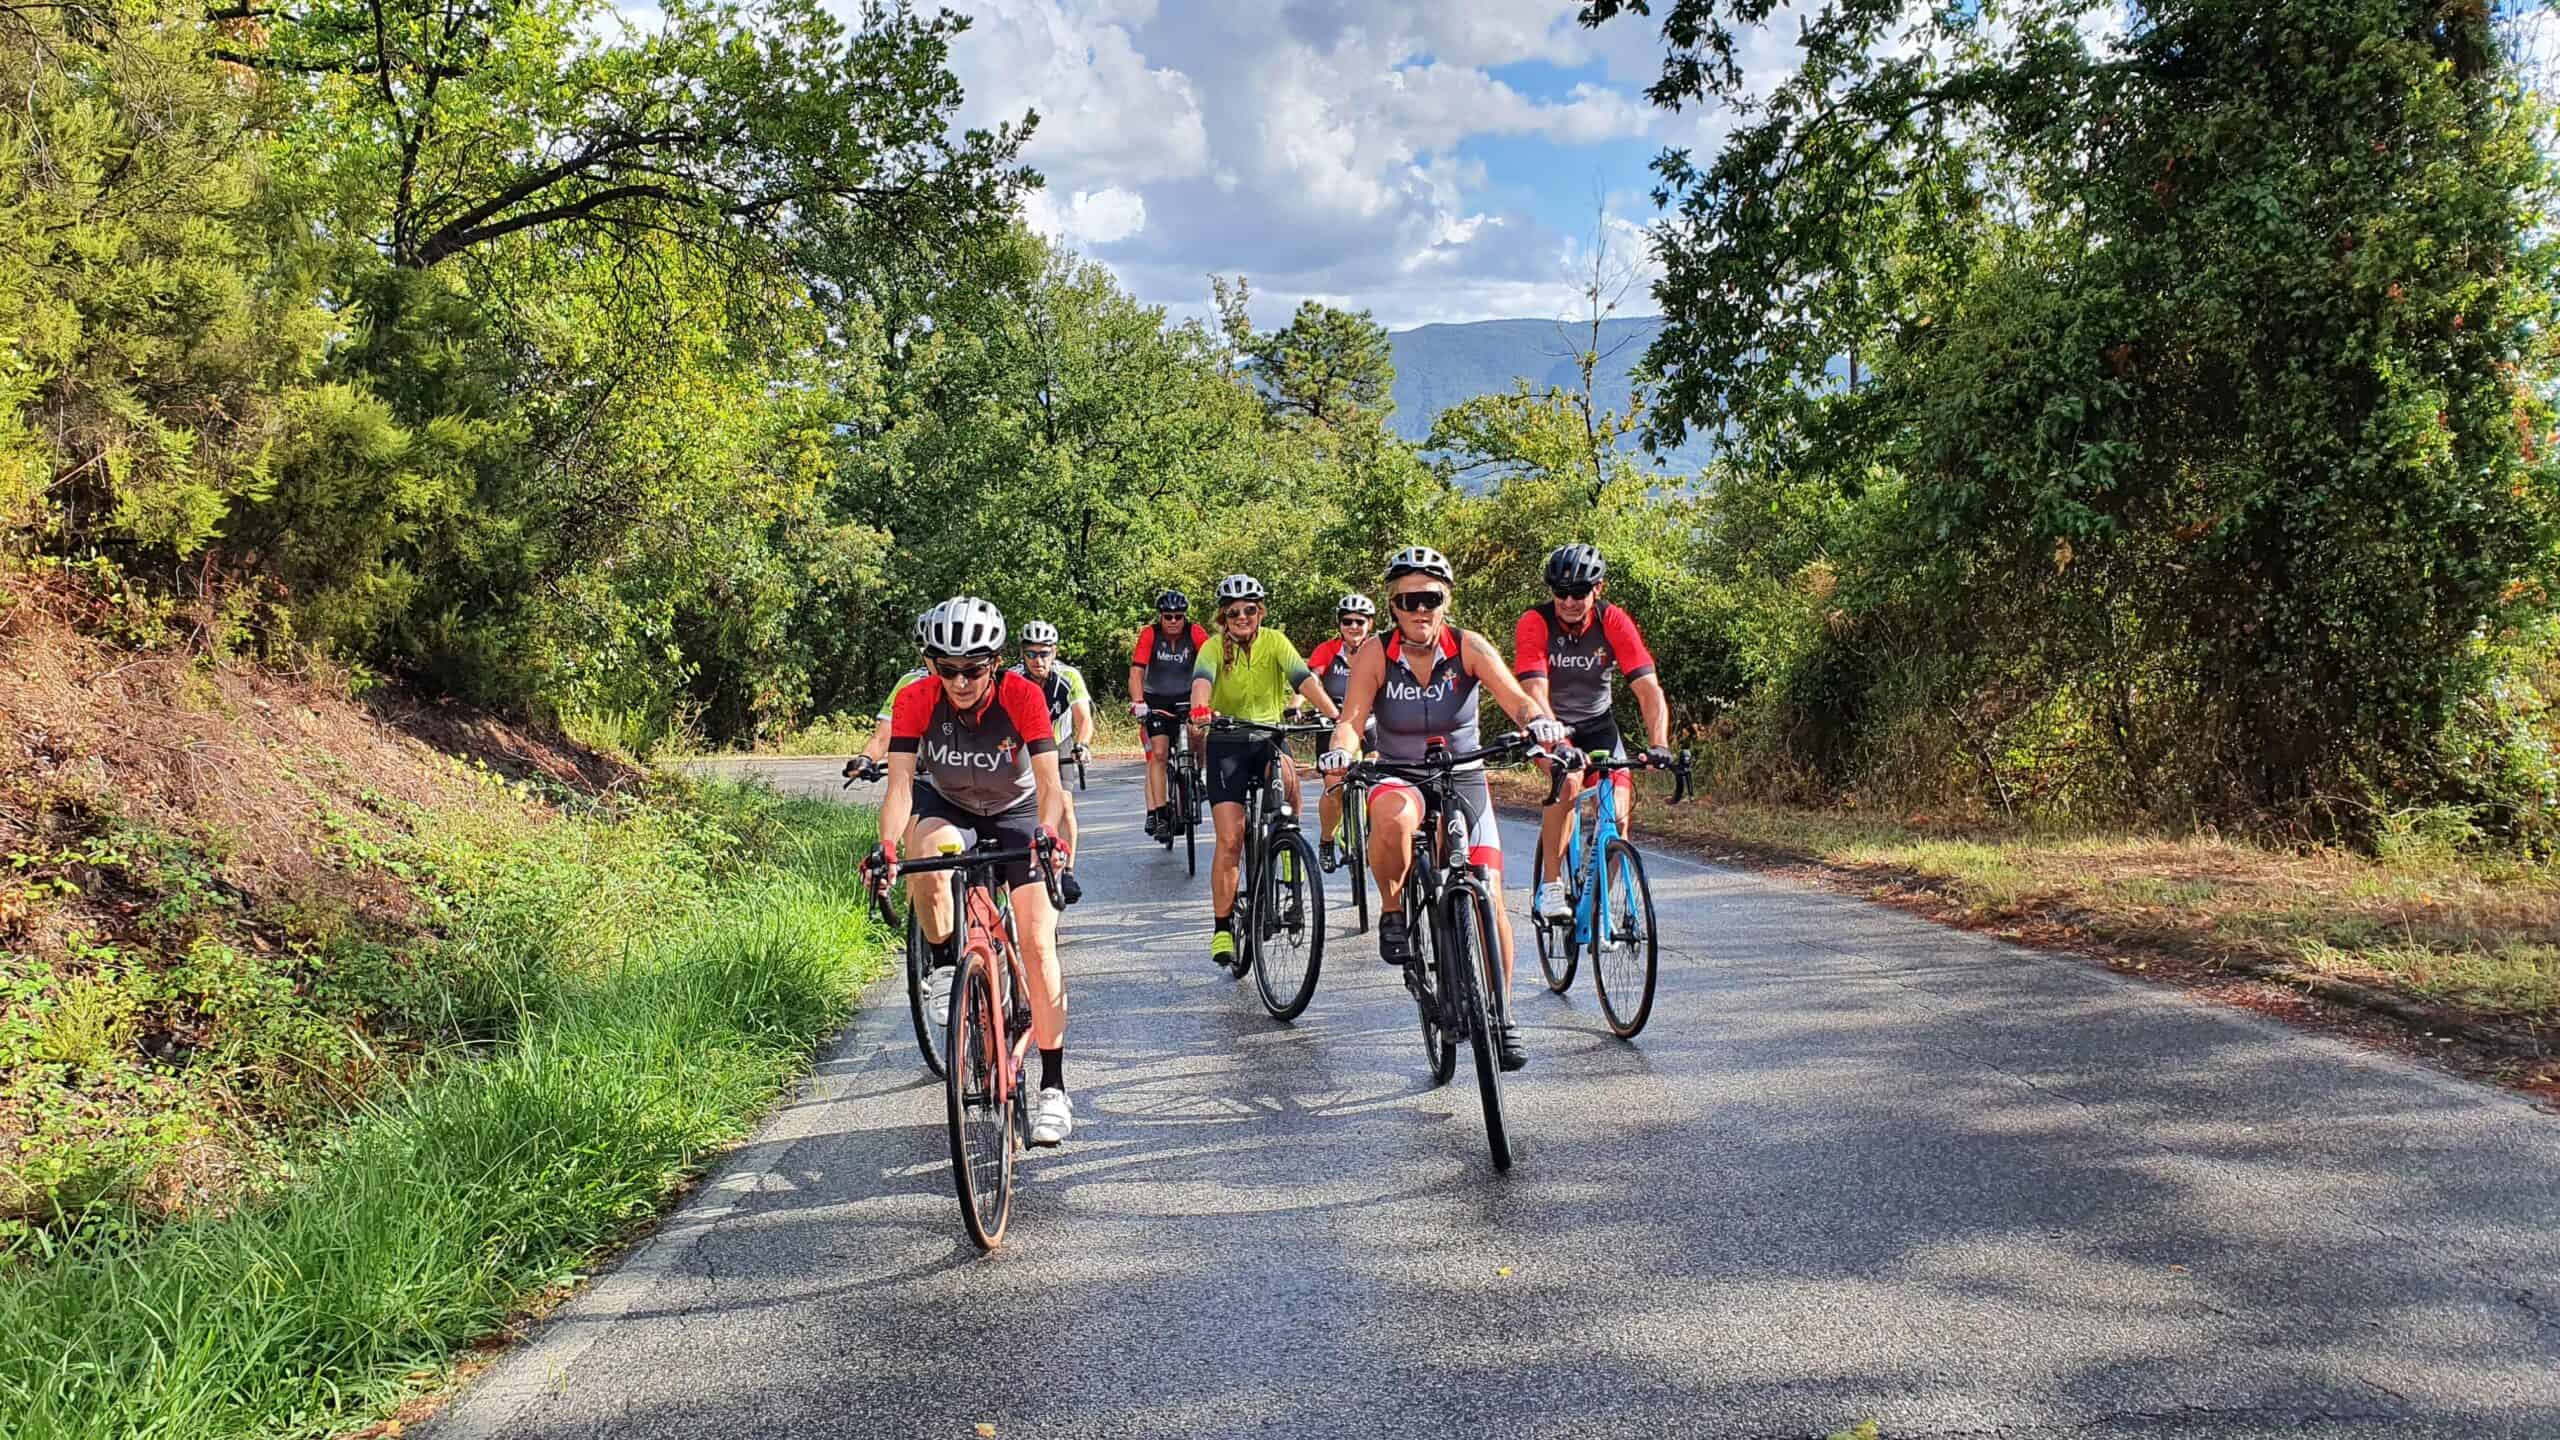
(1409, 690)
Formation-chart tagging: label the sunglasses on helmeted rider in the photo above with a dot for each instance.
(1417, 602)
(1570, 592)
(1243, 612)
(965, 670)
(1354, 620)
(1038, 654)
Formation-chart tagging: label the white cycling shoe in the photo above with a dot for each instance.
(937, 994)
(1053, 1118)
(1551, 901)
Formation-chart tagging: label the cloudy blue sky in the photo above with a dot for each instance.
(1427, 161)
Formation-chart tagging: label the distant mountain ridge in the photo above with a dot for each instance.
(1438, 366)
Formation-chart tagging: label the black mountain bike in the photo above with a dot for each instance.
(1279, 914)
(1456, 970)
(1182, 797)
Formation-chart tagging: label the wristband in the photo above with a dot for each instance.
(1200, 714)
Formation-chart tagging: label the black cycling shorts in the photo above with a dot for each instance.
(1166, 717)
(1017, 828)
(1598, 736)
(1234, 767)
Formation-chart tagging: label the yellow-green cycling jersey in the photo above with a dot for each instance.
(889, 704)
(1257, 686)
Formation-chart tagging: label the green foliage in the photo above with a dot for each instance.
(732, 937)
(2199, 460)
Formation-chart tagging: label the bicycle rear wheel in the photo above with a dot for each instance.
(1288, 923)
(932, 1031)
(982, 1126)
(1557, 954)
(1474, 964)
(1624, 962)
(1079, 775)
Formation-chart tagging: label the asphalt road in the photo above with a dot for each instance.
(1858, 1166)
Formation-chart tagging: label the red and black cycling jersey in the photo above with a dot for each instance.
(979, 761)
(1412, 709)
(1576, 663)
(1332, 664)
(1167, 661)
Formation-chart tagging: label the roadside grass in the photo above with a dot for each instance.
(2424, 918)
(623, 996)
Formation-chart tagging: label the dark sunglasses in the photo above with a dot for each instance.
(1243, 612)
(1355, 620)
(1570, 592)
(1420, 602)
(1038, 654)
(1171, 614)
(966, 670)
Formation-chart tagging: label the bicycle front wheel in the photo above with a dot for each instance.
(1190, 821)
(1624, 961)
(1474, 964)
(982, 1122)
(932, 1031)
(1288, 923)
(1355, 850)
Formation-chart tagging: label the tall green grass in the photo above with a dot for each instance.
(489, 1178)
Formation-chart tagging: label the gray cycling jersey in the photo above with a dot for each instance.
(1412, 709)
(1168, 660)
(981, 762)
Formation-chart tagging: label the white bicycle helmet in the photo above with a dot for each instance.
(1421, 560)
(918, 630)
(1039, 632)
(1239, 587)
(963, 625)
(1355, 605)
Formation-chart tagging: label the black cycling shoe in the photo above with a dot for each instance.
(1330, 857)
(1155, 823)
(1513, 1056)
(1395, 946)
(1068, 889)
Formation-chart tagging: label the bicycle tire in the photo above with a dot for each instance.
(1190, 826)
(1475, 965)
(919, 961)
(1635, 957)
(1439, 1044)
(981, 1130)
(1355, 849)
(1558, 956)
(1079, 775)
(1287, 987)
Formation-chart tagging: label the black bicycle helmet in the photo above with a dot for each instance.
(1175, 601)
(1575, 565)
(1421, 560)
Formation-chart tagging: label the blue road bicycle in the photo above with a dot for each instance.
(1611, 910)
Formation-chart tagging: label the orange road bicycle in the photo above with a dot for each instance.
(986, 1101)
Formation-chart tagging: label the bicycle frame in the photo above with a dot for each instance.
(1590, 915)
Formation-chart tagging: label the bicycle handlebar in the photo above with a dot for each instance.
(1679, 769)
(986, 858)
(1231, 724)
(1508, 747)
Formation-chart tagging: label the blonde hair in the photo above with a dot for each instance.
(1227, 642)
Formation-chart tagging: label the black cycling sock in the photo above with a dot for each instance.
(1224, 924)
(1053, 1068)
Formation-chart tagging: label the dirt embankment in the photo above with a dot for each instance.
(193, 872)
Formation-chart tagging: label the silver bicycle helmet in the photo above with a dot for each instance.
(918, 629)
(1039, 632)
(1421, 560)
(963, 625)
(1239, 587)
(1355, 605)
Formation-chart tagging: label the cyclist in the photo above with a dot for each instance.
(1353, 616)
(1248, 672)
(1070, 717)
(870, 764)
(1426, 680)
(1160, 691)
(974, 751)
(1564, 651)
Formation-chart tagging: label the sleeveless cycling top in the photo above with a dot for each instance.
(1168, 659)
(1411, 709)
(981, 763)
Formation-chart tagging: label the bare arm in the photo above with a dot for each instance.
(897, 806)
(1312, 689)
(1082, 715)
(1656, 708)
(1052, 795)
(1491, 671)
(1367, 669)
